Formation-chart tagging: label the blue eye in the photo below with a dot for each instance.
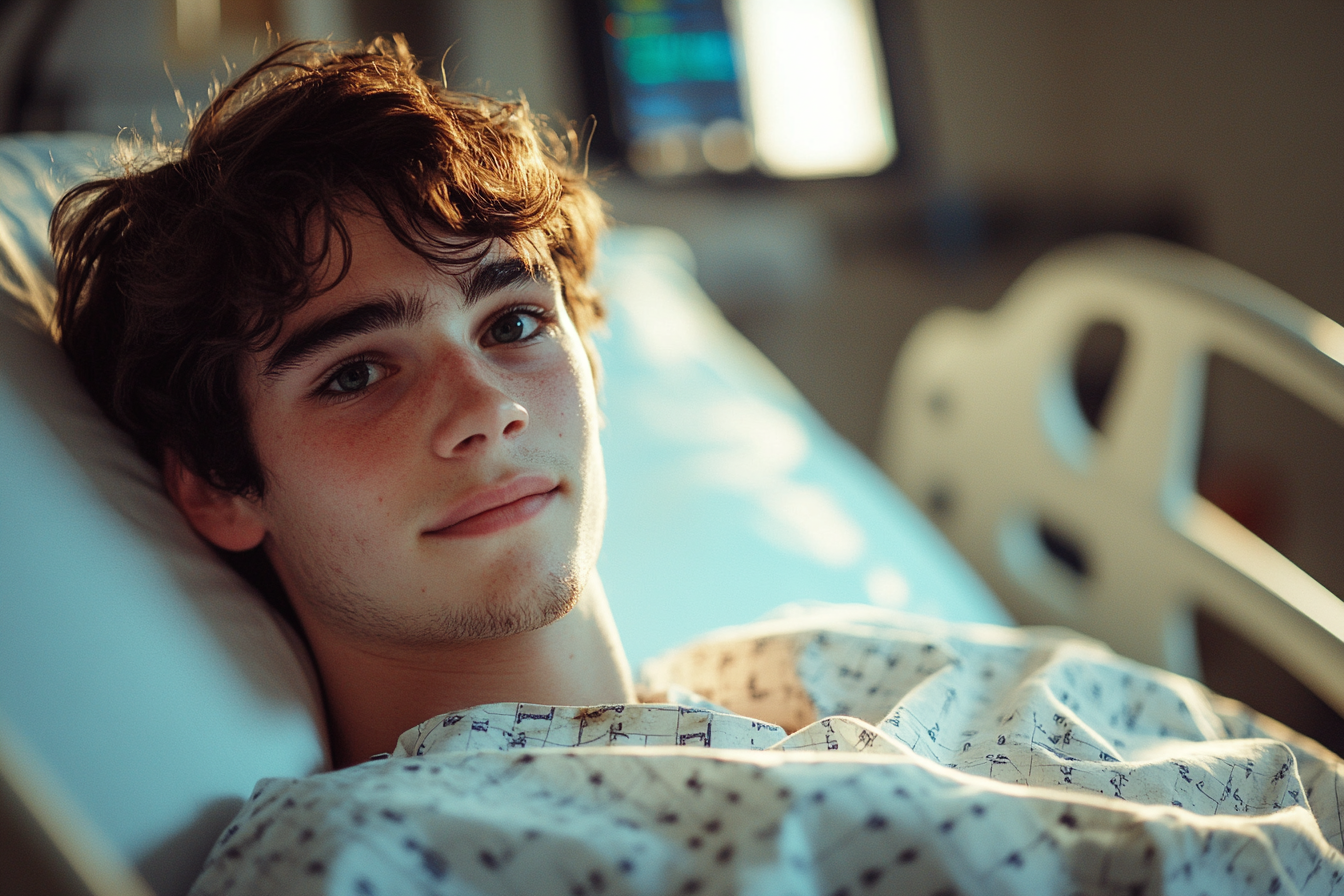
(513, 326)
(354, 377)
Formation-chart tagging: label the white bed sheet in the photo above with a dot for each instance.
(928, 757)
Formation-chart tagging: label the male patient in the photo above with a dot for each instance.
(349, 323)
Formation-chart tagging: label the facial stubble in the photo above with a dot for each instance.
(503, 608)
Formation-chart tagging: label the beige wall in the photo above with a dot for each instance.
(1237, 107)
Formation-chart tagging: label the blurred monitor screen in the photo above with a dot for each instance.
(794, 88)
(673, 82)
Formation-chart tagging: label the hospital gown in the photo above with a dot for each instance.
(835, 750)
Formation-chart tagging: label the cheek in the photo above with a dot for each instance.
(569, 397)
(556, 402)
(339, 468)
(575, 394)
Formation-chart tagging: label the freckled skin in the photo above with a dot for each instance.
(355, 480)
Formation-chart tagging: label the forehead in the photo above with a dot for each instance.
(355, 244)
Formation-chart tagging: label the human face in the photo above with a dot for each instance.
(429, 447)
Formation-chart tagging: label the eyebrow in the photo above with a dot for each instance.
(394, 310)
(385, 312)
(496, 275)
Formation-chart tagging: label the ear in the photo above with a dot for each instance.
(226, 520)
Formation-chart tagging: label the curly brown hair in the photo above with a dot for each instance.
(169, 274)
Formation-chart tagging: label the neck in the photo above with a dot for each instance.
(375, 693)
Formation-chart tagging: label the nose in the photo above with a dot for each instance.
(477, 412)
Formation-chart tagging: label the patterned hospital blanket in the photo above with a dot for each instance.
(840, 750)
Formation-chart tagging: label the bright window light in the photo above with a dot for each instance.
(815, 86)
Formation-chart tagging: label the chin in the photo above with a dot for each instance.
(502, 614)
(514, 614)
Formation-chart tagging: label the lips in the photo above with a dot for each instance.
(496, 507)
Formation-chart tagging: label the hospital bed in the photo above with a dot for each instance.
(144, 688)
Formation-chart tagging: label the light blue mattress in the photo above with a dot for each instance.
(729, 494)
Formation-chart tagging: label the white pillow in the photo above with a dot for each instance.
(153, 682)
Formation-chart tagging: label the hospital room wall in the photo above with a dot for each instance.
(1237, 107)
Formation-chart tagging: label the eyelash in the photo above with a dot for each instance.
(324, 390)
(543, 316)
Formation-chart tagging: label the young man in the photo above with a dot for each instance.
(348, 321)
